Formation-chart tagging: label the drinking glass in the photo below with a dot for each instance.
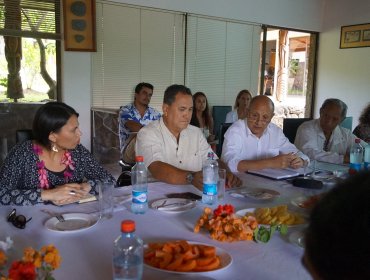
(105, 189)
(221, 184)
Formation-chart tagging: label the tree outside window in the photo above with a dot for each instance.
(28, 50)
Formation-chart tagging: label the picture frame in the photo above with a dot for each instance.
(355, 36)
(79, 25)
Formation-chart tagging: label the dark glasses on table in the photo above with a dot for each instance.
(18, 221)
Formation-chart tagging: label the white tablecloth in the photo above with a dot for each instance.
(87, 254)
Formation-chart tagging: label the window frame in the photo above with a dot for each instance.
(311, 82)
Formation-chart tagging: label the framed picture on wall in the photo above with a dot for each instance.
(79, 25)
(355, 36)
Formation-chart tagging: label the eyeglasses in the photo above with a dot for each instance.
(256, 117)
(19, 221)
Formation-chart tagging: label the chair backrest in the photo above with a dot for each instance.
(290, 126)
(347, 123)
(22, 135)
(223, 128)
(128, 153)
(219, 115)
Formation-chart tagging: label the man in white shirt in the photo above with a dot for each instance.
(324, 139)
(173, 150)
(256, 143)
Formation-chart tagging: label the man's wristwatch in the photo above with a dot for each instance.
(190, 177)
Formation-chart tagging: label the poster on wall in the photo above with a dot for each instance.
(79, 25)
(355, 36)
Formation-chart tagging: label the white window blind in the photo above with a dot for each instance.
(136, 45)
(222, 58)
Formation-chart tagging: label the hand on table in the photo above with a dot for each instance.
(67, 193)
(198, 180)
(297, 162)
(283, 160)
(232, 180)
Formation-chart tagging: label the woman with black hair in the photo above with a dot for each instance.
(54, 166)
(362, 131)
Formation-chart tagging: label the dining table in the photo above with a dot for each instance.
(87, 253)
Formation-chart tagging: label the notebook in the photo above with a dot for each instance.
(276, 174)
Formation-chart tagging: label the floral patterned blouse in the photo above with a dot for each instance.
(363, 131)
(19, 178)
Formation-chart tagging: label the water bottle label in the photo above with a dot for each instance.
(139, 197)
(210, 189)
(355, 166)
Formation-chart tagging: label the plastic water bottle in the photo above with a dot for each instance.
(128, 254)
(210, 179)
(367, 157)
(356, 157)
(139, 182)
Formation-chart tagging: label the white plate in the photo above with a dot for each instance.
(173, 205)
(255, 193)
(297, 238)
(242, 213)
(297, 202)
(73, 222)
(225, 259)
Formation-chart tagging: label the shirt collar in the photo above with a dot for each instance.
(250, 133)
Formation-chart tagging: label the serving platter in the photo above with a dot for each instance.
(225, 259)
(255, 193)
(243, 212)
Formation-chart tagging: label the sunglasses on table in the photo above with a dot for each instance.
(18, 221)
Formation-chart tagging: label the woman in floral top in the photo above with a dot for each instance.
(54, 166)
(363, 129)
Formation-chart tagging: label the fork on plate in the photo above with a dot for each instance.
(54, 214)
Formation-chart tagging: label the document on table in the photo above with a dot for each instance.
(276, 174)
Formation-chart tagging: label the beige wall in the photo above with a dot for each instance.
(343, 73)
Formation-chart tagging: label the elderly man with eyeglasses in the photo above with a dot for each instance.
(256, 143)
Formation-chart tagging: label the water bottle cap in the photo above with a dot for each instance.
(139, 158)
(357, 140)
(128, 226)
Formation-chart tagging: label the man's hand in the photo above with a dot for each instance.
(296, 163)
(198, 180)
(283, 160)
(232, 180)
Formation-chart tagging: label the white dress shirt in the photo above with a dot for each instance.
(310, 139)
(241, 144)
(156, 143)
(232, 116)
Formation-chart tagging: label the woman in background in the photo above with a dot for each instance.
(54, 167)
(242, 101)
(362, 131)
(201, 116)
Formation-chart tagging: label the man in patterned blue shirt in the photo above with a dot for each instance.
(134, 116)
